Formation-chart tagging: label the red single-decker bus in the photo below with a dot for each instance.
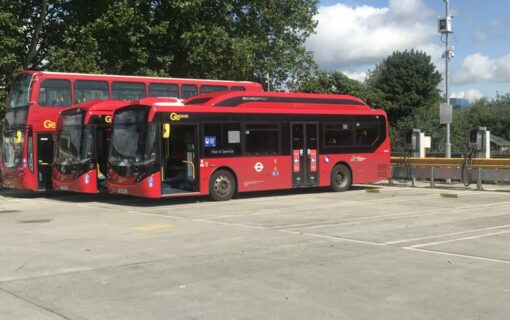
(220, 144)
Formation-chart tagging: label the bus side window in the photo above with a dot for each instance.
(163, 90)
(262, 139)
(338, 134)
(128, 90)
(188, 90)
(237, 88)
(222, 139)
(367, 132)
(90, 90)
(208, 89)
(55, 93)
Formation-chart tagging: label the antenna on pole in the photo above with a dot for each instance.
(445, 28)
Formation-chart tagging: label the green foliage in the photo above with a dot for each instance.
(409, 83)
(338, 83)
(10, 47)
(491, 113)
(237, 40)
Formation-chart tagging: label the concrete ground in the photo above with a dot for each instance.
(385, 253)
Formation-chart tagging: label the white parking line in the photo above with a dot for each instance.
(302, 226)
(458, 239)
(458, 255)
(449, 234)
(336, 238)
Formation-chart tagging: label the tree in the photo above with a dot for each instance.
(10, 47)
(338, 83)
(409, 82)
(232, 39)
(491, 113)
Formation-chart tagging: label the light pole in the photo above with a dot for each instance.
(445, 28)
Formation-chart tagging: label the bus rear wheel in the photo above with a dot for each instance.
(341, 178)
(222, 185)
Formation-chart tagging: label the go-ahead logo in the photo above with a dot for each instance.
(177, 117)
(48, 124)
(108, 119)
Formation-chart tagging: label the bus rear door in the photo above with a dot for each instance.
(305, 154)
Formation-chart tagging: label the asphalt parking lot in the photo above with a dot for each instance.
(392, 253)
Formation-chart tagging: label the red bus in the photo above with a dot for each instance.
(36, 99)
(82, 142)
(220, 144)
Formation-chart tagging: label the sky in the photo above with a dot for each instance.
(353, 36)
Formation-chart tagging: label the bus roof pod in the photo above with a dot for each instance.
(284, 99)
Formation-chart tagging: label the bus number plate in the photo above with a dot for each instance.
(122, 190)
(64, 188)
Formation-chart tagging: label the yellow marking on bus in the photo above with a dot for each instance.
(158, 227)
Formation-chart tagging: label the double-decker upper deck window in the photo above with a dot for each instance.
(262, 139)
(85, 90)
(237, 88)
(189, 90)
(20, 91)
(208, 89)
(55, 93)
(163, 90)
(128, 90)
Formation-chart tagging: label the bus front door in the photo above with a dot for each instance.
(179, 172)
(305, 154)
(44, 160)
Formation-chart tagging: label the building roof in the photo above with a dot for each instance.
(499, 141)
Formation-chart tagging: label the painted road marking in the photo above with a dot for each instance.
(459, 239)
(158, 227)
(449, 234)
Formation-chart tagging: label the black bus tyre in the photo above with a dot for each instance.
(341, 178)
(222, 185)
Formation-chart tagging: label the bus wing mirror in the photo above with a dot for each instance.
(166, 130)
(19, 136)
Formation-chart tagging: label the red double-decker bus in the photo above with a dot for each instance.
(220, 144)
(36, 99)
(82, 142)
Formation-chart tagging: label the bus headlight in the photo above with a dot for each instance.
(150, 181)
(86, 178)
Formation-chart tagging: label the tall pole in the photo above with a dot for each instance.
(448, 151)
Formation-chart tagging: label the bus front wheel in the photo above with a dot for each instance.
(341, 178)
(222, 185)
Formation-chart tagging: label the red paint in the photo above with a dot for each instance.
(43, 119)
(313, 160)
(296, 161)
(277, 170)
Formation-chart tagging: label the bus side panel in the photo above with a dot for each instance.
(365, 167)
(328, 161)
(253, 173)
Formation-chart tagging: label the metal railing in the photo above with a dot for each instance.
(437, 170)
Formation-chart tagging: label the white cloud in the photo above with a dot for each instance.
(349, 37)
(360, 76)
(472, 95)
(479, 68)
